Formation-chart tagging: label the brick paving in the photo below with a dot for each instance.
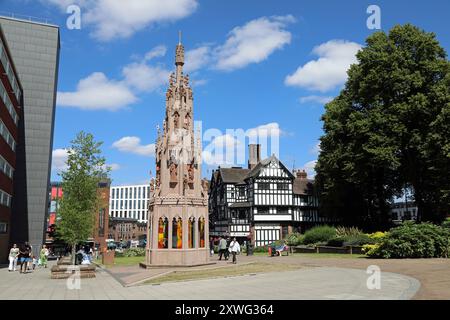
(316, 281)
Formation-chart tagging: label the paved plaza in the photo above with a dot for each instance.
(310, 282)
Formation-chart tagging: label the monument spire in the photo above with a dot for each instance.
(179, 59)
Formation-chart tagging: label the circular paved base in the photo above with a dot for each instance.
(305, 283)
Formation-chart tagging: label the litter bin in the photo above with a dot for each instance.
(249, 249)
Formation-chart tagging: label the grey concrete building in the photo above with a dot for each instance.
(35, 49)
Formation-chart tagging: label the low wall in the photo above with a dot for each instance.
(327, 249)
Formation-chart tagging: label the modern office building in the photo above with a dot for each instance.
(34, 47)
(10, 117)
(129, 202)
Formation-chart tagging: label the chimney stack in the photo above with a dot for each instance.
(302, 174)
(254, 156)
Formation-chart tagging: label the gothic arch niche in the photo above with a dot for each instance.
(163, 233)
(177, 233)
(187, 121)
(201, 232)
(176, 119)
(191, 233)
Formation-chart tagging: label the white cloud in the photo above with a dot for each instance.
(329, 70)
(113, 19)
(316, 99)
(197, 58)
(97, 92)
(316, 149)
(133, 145)
(221, 151)
(156, 52)
(265, 130)
(144, 77)
(253, 42)
(309, 167)
(59, 159)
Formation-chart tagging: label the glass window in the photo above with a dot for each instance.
(191, 230)
(177, 233)
(201, 231)
(163, 230)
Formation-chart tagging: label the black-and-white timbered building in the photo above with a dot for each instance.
(265, 202)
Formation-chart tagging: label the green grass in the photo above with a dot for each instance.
(317, 255)
(123, 261)
(221, 272)
(329, 255)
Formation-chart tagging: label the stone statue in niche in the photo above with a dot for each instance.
(168, 94)
(173, 172)
(186, 80)
(190, 170)
(187, 121)
(176, 119)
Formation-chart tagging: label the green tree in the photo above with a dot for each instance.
(85, 168)
(389, 130)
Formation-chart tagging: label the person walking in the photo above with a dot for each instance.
(222, 248)
(43, 256)
(24, 257)
(235, 249)
(227, 251)
(13, 256)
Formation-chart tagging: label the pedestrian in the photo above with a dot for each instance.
(222, 248)
(227, 251)
(43, 256)
(13, 256)
(235, 249)
(24, 257)
(34, 261)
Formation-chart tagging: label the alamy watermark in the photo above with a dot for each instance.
(374, 280)
(374, 20)
(73, 22)
(73, 282)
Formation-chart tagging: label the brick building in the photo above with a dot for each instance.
(11, 114)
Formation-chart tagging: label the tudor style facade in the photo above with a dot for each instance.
(265, 202)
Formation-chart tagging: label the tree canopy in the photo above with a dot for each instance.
(85, 168)
(389, 130)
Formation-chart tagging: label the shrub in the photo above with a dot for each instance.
(377, 236)
(358, 240)
(134, 252)
(411, 240)
(294, 239)
(336, 242)
(348, 232)
(319, 234)
(446, 223)
(263, 249)
(350, 240)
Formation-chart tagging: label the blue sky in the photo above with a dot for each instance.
(253, 64)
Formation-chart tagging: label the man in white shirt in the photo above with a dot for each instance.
(235, 248)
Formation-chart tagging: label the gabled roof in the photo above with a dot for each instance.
(303, 186)
(233, 175)
(254, 172)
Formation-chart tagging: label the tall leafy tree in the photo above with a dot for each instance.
(388, 129)
(85, 168)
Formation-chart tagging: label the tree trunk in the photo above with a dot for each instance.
(74, 246)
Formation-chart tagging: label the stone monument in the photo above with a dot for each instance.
(178, 209)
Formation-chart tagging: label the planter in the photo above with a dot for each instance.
(304, 250)
(66, 271)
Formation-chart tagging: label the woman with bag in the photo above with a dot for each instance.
(235, 249)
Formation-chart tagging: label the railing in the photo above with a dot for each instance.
(24, 17)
